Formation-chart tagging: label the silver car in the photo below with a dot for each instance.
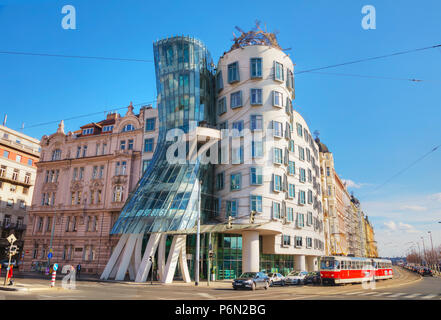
(296, 277)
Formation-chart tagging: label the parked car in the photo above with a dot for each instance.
(425, 271)
(296, 277)
(276, 279)
(251, 280)
(313, 277)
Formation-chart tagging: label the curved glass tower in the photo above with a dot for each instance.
(166, 197)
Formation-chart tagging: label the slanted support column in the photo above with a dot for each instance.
(127, 257)
(146, 264)
(177, 251)
(250, 251)
(161, 257)
(114, 257)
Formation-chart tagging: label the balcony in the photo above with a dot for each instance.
(16, 181)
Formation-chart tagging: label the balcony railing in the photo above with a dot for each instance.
(10, 179)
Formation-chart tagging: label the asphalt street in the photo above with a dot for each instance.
(405, 285)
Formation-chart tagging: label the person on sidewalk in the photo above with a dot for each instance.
(10, 275)
(78, 270)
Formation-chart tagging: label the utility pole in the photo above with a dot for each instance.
(198, 237)
(424, 250)
(54, 220)
(431, 243)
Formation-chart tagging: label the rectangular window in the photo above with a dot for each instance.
(94, 172)
(233, 72)
(299, 130)
(220, 181)
(302, 177)
(256, 203)
(238, 125)
(291, 190)
(299, 242)
(308, 155)
(278, 156)
(256, 67)
(256, 96)
(309, 219)
(276, 210)
(302, 197)
(235, 183)
(291, 146)
(219, 81)
(277, 180)
(277, 129)
(256, 176)
(290, 79)
(145, 164)
(107, 128)
(5, 154)
(236, 99)
(130, 144)
(329, 191)
(221, 106)
(101, 172)
(84, 151)
(328, 171)
(289, 214)
(286, 240)
(231, 208)
(148, 145)
(87, 131)
(256, 122)
(309, 175)
(122, 145)
(277, 99)
(291, 168)
(278, 71)
(300, 220)
(150, 124)
(301, 153)
(308, 242)
(257, 149)
(81, 174)
(310, 196)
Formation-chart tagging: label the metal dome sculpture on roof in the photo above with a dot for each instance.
(255, 37)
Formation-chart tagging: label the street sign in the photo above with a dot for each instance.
(11, 239)
(49, 255)
(55, 266)
(51, 251)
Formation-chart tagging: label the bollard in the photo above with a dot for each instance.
(54, 275)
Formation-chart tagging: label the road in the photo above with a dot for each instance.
(405, 285)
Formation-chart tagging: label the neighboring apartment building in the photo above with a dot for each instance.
(83, 181)
(151, 129)
(19, 154)
(371, 244)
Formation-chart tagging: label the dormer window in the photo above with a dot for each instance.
(107, 128)
(87, 131)
(128, 127)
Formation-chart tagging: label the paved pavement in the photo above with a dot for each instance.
(405, 285)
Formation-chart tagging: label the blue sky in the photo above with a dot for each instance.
(374, 127)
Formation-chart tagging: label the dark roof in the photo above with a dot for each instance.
(322, 147)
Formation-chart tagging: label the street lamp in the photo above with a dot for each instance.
(431, 243)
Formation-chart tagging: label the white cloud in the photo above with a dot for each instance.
(351, 184)
(435, 196)
(413, 208)
(391, 225)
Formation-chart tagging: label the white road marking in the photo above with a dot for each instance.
(382, 294)
(429, 296)
(206, 295)
(396, 295)
(369, 293)
(354, 293)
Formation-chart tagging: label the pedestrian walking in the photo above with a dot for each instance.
(78, 270)
(10, 275)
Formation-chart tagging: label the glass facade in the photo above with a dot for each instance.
(166, 197)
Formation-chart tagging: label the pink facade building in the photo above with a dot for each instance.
(83, 179)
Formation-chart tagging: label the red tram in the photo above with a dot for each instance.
(341, 269)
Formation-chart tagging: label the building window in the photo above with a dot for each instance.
(277, 180)
(308, 155)
(235, 183)
(256, 96)
(256, 203)
(302, 197)
(236, 99)
(2, 171)
(301, 153)
(308, 242)
(6, 154)
(107, 128)
(219, 81)
(84, 151)
(145, 164)
(237, 155)
(278, 156)
(18, 158)
(148, 145)
(231, 208)
(302, 177)
(238, 125)
(150, 124)
(56, 155)
(328, 171)
(309, 218)
(276, 210)
(87, 131)
(233, 72)
(278, 71)
(256, 176)
(220, 177)
(117, 194)
(122, 145)
(300, 220)
(277, 99)
(291, 146)
(277, 129)
(291, 190)
(299, 242)
(257, 149)
(289, 214)
(256, 67)
(15, 174)
(309, 175)
(256, 122)
(310, 196)
(128, 127)
(286, 240)
(290, 79)
(291, 168)
(221, 106)
(130, 144)
(299, 130)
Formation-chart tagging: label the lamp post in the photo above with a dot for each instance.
(424, 249)
(198, 237)
(431, 243)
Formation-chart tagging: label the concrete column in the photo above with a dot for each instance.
(145, 265)
(299, 263)
(114, 257)
(250, 251)
(161, 256)
(173, 257)
(126, 257)
(311, 263)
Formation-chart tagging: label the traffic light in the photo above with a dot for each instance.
(230, 222)
(252, 215)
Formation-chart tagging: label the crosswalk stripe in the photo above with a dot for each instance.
(369, 293)
(396, 295)
(353, 293)
(382, 294)
(429, 296)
